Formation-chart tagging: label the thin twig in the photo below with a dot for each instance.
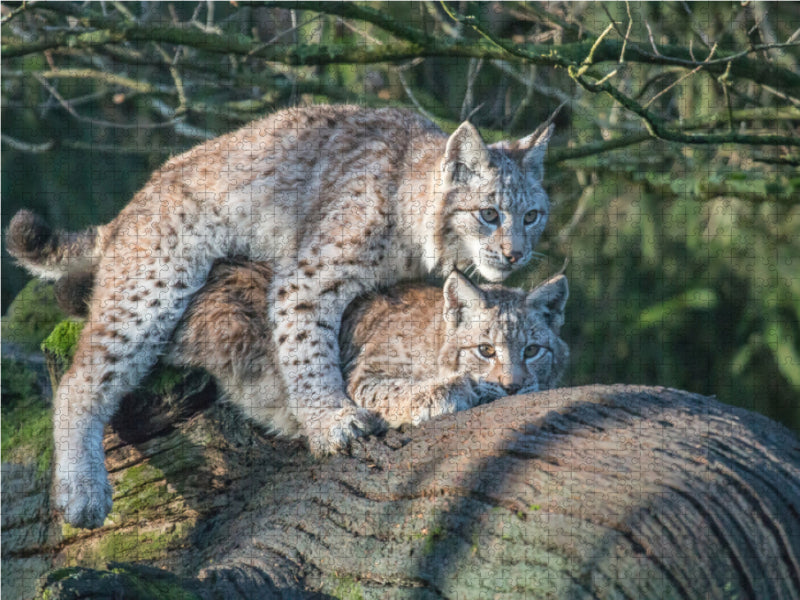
(723, 81)
(364, 34)
(280, 34)
(781, 95)
(607, 76)
(677, 81)
(124, 10)
(208, 26)
(627, 32)
(99, 122)
(176, 77)
(26, 146)
(20, 9)
(413, 98)
(209, 14)
(472, 74)
(697, 31)
(110, 78)
(659, 129)
(652, 41)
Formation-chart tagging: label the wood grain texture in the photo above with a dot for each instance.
(590, 492)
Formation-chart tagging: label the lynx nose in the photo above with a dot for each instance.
(513, 256)
(513, 388)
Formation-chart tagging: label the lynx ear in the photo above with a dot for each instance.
(460, 293)
(529, 151)
(464, 154)
(550, 298)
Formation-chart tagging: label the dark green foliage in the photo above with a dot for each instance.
(31, 316)
(27, 429)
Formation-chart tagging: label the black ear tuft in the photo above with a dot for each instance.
(529, 151)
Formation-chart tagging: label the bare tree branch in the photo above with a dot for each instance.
(415, 43)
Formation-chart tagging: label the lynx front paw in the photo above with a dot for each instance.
(84, 497)
(455, 395)
(333, 431)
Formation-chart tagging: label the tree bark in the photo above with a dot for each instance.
(590, 492)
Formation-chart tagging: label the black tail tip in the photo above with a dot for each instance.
(28, 234)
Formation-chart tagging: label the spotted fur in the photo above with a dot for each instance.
(420, 351)
(409, 354)
(337, 200)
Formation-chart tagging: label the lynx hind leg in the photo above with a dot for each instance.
(129, 321)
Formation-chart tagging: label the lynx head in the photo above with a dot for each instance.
(506, 339)
(495, 207)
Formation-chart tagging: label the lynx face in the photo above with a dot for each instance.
(497, 207)
(504, 339)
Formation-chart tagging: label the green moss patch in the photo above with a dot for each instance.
(27, 428)
(134, 543)
(142, 544)
(347, 588)
(142, 489)
(32, 315)
(63, 340)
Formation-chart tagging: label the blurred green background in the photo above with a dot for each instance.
(684, 259)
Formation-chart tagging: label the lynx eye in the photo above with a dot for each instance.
(531, 217)
(534, 352)
(490, 216)
(486, 350)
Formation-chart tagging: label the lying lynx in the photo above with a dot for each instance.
(337, 200)
(409, 355)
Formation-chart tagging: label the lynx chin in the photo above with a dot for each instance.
(337, 200)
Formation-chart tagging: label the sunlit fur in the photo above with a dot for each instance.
(337, 200)
(473, 245)
(409, 354)
(413, 353)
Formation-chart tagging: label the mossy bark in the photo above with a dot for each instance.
(602, 491)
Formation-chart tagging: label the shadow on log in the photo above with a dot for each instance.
(591, 492)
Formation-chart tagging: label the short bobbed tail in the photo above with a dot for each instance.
(48, 253)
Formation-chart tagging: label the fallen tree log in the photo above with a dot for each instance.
(596, 492)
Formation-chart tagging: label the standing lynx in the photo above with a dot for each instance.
(337, 200)
(410, 354)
